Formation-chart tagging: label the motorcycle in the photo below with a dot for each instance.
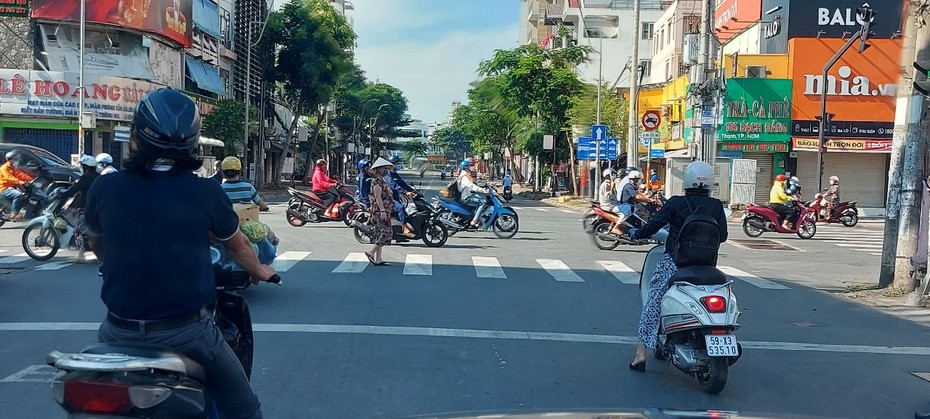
(140, 380)
(423, 217)
(34, 197)
(761, 219)
(457, 216)
(698, 317)
(844, 212)
(51, 231)
(508, 193)
(598, 223)
(307, 207)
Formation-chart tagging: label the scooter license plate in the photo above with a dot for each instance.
(721, 345)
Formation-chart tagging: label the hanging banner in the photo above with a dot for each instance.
(756, 110)
(168, 18)
(848, 145)
(117, 54)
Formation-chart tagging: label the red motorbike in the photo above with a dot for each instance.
(761, 219)
(844, 212)
(599, 223)
(307, 207)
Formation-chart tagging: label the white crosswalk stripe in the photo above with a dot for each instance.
(568, 211)
(54, 266)
(287, 260)
(355, 262)
(487, 267)
(751, 279)
(855, 239)
(419, 265)
(559, 270)
(22, 257)
(623, 273)
(541, 209)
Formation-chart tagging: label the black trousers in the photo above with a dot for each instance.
(784, 212)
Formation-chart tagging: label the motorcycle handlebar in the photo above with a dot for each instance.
(275, 279)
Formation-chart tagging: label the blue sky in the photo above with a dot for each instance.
(430, 49)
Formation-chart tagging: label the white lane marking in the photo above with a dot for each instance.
(54, 266)
(875, 254)
(861, 245)
(568, 211)
(751, 279)
(34, 374)
(354, 263)
(287, 260)
(559, 270)
(517, 208)
(421, 265)
(487, 267)
(21, 257)
(541, 209)
(625, 274)
(494, 334)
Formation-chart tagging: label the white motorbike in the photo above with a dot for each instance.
(47, 233)
(699, 316)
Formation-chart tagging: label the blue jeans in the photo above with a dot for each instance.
(476, 200)
(401, 212)
(203, 342)
(15, 196)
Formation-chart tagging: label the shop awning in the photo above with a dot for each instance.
(207, 141)
(207, 17)
(679, 154)
(206, 76)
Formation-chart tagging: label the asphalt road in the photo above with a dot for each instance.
(482, 325)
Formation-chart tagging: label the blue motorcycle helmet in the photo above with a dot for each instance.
(394, 160)
(465, 164)
(361, 164)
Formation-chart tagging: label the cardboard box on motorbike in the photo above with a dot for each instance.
(246, 212)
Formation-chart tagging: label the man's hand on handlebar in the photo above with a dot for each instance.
(269, 275)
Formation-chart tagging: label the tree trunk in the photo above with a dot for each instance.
(287, 145)
(571, 159)
(308, 169)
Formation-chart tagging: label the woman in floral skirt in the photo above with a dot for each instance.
(382, 204)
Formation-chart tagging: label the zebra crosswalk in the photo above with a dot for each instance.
(422, 265)
(856, 239)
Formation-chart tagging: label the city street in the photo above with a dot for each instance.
(540, 321)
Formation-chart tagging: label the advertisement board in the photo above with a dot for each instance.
(54, 94)
(168, 18)
(861, 88)
(732, 16)
(756, 110)
(837, 18)
(847, 145)
(14, 8)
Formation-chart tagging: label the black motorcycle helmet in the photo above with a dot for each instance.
(167, 122)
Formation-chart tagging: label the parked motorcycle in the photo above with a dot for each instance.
(46, 234)
(844, 212)
(140, 380)
(698, 317)
(457, 216)
(761, 219)
(307, 207)
(598, 223)
(423, 217)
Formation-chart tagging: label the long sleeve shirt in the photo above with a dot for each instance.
(11, 176)
(467, 186)
(778, 195)
(321, 181)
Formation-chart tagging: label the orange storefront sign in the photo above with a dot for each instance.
(860, 87)
(732, 16)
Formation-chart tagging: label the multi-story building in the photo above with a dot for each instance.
(675, 43)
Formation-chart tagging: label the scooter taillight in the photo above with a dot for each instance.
(714, 304)
(97, 397)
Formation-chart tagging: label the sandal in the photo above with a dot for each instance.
(372, 260)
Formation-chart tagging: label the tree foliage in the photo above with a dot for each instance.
(452, 141)
(225, 123)
(614, 111)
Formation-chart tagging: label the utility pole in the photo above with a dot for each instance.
(707, 86)
(908, 152)
(81, 83)
(632, 142)
(905, 178)
(597, 148)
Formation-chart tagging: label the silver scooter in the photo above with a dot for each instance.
(699, 316)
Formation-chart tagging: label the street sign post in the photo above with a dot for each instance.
(657, 153)
(598, 133)
(588, 149)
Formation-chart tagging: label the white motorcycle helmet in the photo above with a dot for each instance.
(699, 175)
(88, 161)
(104, 158)
(608, 173)
(834, 180)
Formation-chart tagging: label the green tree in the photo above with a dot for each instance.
(452, 141)
(224, 123)
(413, 149)
(307, 54)
(614, 111)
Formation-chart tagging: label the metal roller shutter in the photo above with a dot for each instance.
(61, 143)
(863, 176)
(765, 163)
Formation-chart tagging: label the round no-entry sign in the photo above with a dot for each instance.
(651, 120)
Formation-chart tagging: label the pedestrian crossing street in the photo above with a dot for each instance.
(421, 265)
(856, 239)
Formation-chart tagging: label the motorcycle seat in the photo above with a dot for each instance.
(699, 275)
(148, 350)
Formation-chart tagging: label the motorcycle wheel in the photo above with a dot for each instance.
(807, 229)
(435, 233)
(506, 226)
(349, 215)
(362, 217)
(37, 237)
(292, 220)
(849, 219)
(601, 237)
(587, 223)
(715, 379)
(751, 230)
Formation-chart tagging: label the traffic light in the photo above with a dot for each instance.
(829, 117)
(921, 82)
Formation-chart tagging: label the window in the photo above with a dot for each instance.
(646, 66)
(647, 30)
(668, 70)
(225, 19)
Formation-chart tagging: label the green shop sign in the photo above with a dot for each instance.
(756, 110)
(14, 8)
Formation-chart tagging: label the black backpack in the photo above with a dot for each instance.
(698, 240)
(451, 191)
